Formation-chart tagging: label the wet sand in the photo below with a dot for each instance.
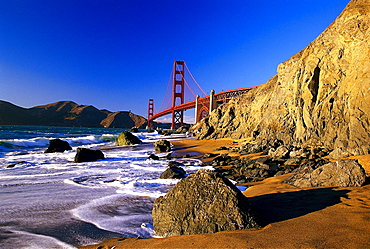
(292, 217)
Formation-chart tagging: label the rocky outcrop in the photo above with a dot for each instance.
(67, 113)
(58, 145)
(319, 98)
(127, 138)
(87, 155)
(273, 160)
(204, 202)
(342, 173)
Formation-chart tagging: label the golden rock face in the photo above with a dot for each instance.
(320, 96)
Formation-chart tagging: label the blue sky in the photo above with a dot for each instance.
(116, 54)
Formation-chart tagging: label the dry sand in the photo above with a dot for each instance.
(293, 218)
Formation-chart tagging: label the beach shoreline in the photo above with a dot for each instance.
(335, 217)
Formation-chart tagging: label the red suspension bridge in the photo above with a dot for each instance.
(178, 100)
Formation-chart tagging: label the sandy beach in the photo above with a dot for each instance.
(292, 217)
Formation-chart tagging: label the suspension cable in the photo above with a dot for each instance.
(165, 99)
(195, 80)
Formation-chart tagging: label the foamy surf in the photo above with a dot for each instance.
(62, 203)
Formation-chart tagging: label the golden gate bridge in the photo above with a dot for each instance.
(177, 100)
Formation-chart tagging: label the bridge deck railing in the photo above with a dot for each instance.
(223, 96)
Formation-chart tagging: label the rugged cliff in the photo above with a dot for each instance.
(67, 113)
(320, 96)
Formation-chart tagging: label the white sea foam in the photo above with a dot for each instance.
(32, 142)
(108, 213)
(126, 174)
(33, 241)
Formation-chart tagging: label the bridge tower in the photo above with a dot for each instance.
(178, 93)
(150, 113)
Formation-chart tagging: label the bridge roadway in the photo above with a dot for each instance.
(221, 97)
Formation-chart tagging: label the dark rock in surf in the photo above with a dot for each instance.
(14, 164)
(161, 146)
(154, 157)
(173, 172)
(175, 164)
(57, 145)
(87, 155)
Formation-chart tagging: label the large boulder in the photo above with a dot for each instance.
(161, 146)
(127, 138)
(342, 173)
(204, 202)
(57, 145)
(87, 155)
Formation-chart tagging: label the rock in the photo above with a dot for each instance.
(173, 172)
(57, 145)
(181, 130)
(87, 155)
(298, 153)
(175, 164)
(14, 164)
(204, 202)
(252, 172)
(154, 157)
(293, 161)
(339, 153)
(263, 160)
(221, 158)
(280, 152)
(127, 138)
(319, 97)
(209, 155)
(342, 173)
(222, 148)
(161, 146)
(263, 146)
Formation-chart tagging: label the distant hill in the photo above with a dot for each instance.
(67, 113)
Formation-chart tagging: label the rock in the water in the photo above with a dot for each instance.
(204, 202)
(173, 172)
(175, 164)
(161, 146)
(154, 157)
(15, 164)
(127, 138)
(87, 155)
(57, 145)
(342, 173)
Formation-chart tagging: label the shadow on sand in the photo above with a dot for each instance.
(284, 206)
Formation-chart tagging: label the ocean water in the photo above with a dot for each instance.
(48, 201)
